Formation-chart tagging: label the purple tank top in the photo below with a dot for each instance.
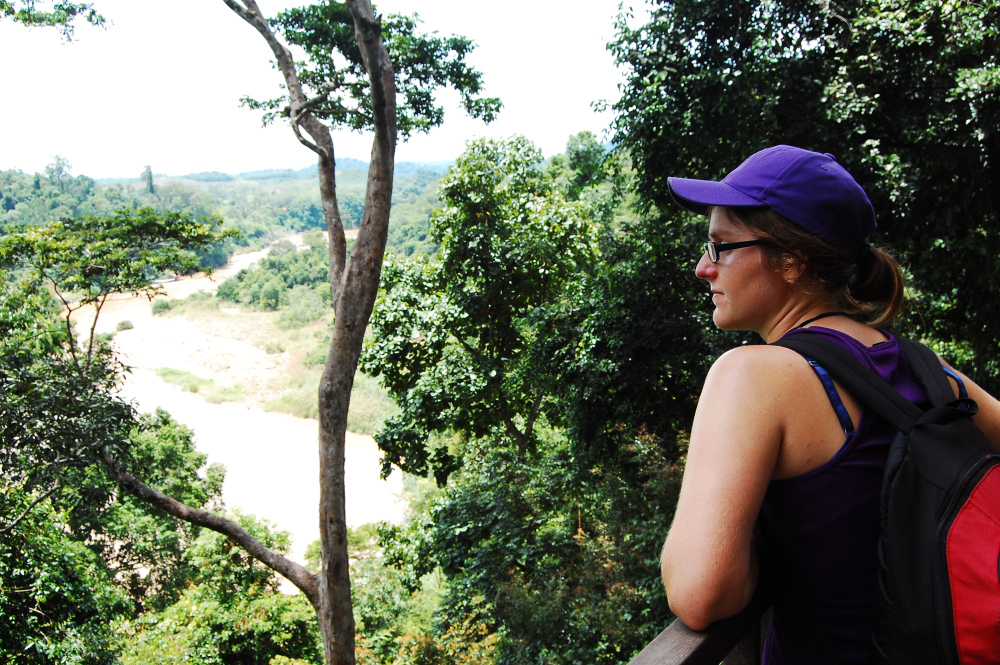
(825, 524)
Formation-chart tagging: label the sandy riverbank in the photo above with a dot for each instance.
(271, 458)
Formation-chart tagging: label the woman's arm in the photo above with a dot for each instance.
(709, 564)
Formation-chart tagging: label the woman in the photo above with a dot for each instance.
(773, 437)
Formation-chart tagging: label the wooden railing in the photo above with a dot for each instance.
(733, 641)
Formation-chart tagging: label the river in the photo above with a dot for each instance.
(271, 459)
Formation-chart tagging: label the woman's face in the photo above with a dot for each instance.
(747, 293)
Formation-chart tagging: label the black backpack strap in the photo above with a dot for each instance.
(862, 383)
(927, 367)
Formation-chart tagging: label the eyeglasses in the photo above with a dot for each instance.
(713, 249)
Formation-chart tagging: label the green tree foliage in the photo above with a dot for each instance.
(72, 564)
(58, 170)
(558, 558)
(414, 199)
(61, 416)
(59, 14)
(147, 179)
(458, 339)
(232, 612)
(423, 63)
(645, 344)
(260, 208)
(141, 545)
(56, 599)
(78, 555)
(70, 568)
(903, 93)
(34, 199)
(581, 166)
(549, 535)
(83, 261)
(55, 410)
(86, 259)
(284, 278)
(382, 606)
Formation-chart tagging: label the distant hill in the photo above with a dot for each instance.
(403, 169)
(262, 205)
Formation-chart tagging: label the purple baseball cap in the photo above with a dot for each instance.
(808, 188)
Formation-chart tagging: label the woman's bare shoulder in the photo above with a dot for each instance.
(754, 361)
(758, 379)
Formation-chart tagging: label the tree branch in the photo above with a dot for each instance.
(509, 425)
(297, 574)
(471, 350)
(240, 11)
(533, 414)
(250, 12)
(322, 144)
(340, 114)
(27, 510)
(303, 140)
(522, 440)
(69, 314)
(324, 93)
(98, 304)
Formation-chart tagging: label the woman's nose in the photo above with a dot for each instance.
(705, 269)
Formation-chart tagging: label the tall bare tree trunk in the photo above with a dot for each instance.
(358, 288)
(353, 286)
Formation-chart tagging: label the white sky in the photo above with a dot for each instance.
(161, 85)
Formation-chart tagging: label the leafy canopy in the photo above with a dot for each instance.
(335, 78)
(92, 257)
(548, 300)
(61, 14)
(59, 407)
(905, 94)
(56, 598)
(457, 339)
(231, 611)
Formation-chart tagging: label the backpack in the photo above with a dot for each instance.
(938, 595)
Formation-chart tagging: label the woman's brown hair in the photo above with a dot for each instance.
(871, 286)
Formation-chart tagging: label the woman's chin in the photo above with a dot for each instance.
(724, 322)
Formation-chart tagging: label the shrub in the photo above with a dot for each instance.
(205, 387)
(270, 293)
(229, 290)
(124, 324)
(160, 306)
(202, 299)
(232, 612)
(282, 247)
(317, 357)
(304, 305)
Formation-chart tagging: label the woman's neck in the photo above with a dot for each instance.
(805, 315)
